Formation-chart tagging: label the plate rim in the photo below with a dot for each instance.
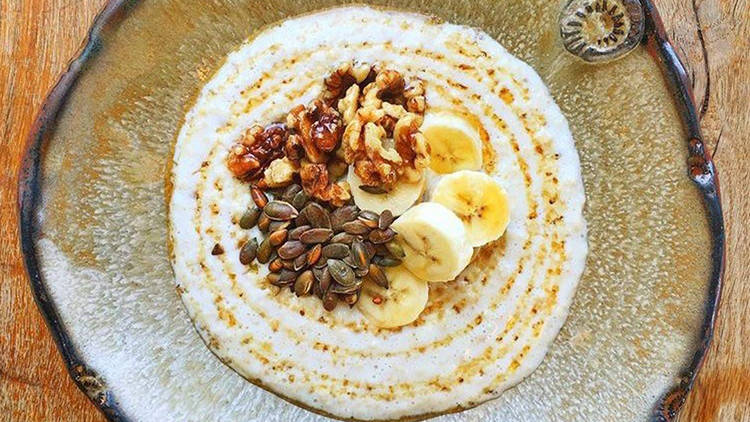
(701, 170)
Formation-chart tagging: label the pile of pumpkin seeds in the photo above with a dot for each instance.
(313, 249)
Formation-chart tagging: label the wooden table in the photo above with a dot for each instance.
(38, 37)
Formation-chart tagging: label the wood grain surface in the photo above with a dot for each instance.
(39, 37)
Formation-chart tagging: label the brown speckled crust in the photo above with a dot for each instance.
(31, 194)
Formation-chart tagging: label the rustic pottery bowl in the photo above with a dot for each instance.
(94, 226)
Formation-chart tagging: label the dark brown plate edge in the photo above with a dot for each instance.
(701, 171)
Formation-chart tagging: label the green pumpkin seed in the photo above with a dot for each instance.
(291, 249)
(278, 225)
(317, 215)
(343, 238)
(335, 250)
(355, 227)
(385, 219)
(250, 217)
(377, 276)
(273, 279)
(395, 249)
(249, 251)
(369, 218)
(338, 288)
(341, 272)
(264, 251)
(300, 262)
(304, 283)
(316, 236)
(280, 211)
(360, 255)
(323, 276)
(287, 276)
(343, 215)
(296, 232)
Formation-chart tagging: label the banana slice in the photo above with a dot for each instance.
(478, 200)
(434, 241)
(454, 143)
(398, 199)
(398, 305)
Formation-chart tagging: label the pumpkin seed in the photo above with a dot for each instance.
(264, 223)
(323, 276)
(297, 231)
(329, 301)
(278, 237)
(280, 211)
(343, 238)
(275, 266)
(355, 227)
(300, 262)
(316, 236)
(343, 215)
(337, 288)
(359, 254)
(314, 254)
(290, 192)
(395, 249)
(288, 264)
(304, 283)
(264, 251)
(381, 236)
(278, 225)
(287, 276)
(377, 276)
(317, 215)
(341, 272)
(375, 190)
(361, 272)
(349, 261)
(301, 220)
(386, 261)
(250, 217)
(300, 200)
(369, 218)
(350, 299)
(258, 196)
(273, 279)
(371, 250)
(385, 220)
(335, 250)
(291, 249)
(249, 251)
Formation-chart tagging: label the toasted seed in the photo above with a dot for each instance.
(264, 223)
(297, 231)
(329, 301)
(343, 237)
(361, 272)
(338, 288)
(341, 272)
(371, 249)
(343, 215)
(300, 200)
(377, 276)
(290, 192)
(258, 196)
(323, 276)
(355, 227)
(349, 261)
(385, 220)
(278, 237)
(250, 217)
(249, 252)
(304, 283)
(369, 218)
(217, 250)
(350, 299)
(280, 211)
(317, 215)
(375, 190)
(378, 236)
(287, 275)
(321, 263)
(264, 251)
(291, 249)
(288, 264)
(395, 249)
(278, 225)
(335, 250)
(386, 261)
(316, 236)
(317, 291)
(301, 220)
(314, 254)
(273, 279)
(300, 262)
(276, 265)
(359, 254)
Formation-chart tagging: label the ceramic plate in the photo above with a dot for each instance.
(94, 225)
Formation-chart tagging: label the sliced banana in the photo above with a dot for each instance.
(398, 305)
(434, 241)
(454, 142)
(398, 199)
(478, 200)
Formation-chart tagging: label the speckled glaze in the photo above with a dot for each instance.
(94, 229)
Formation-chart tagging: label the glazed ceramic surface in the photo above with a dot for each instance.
(95, 214)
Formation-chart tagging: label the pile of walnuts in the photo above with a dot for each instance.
(365, 117)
